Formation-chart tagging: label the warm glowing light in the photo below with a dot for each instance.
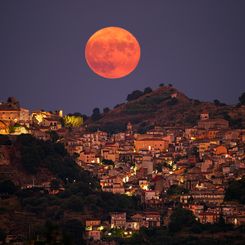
(73, 121)
(126, 179)
(112, 52)
(145, 187)
(101, 228)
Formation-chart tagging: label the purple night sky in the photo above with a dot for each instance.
(198, 46)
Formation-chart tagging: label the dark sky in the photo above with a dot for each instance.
(198, 46)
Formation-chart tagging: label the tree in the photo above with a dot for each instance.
(53, 136)
(107, 162)
(55, 184)
(5, 140)
(106, 110)
(161, 85)
(172, 101)
(170, 85)
(134, 95)
(13, 101)
(181, 218)
(236, 191)
(2, 236)
(72, 121)
(176, 190)
(96, 114)
(74, 203)
(194, 151)
(36, 154)
(159, 167)
(147, 90)
(85, 117)
(242, 99)
(96, 110)
(7, 187)
(118, 105)
(73, 232)
(216, 102)
(76, 114)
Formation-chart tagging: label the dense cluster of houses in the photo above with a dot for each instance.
(201, 160)
(119, 221)
(16, 120)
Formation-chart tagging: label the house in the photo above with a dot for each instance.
(147, 163)
(47, 120)
(209, 217)
(147, 219)
(220, 150)
(144, 184)
(112, 184)
(132, 225)
(149, 195)
(153, 218)
(150, 143)
(51, 123)
(206, 196)
(11, 113)
(196, 208)
(118, 220)
(93, 234)
(218, 123)
(88, 157)
(110, 152)
(93, 229)
(204, 116)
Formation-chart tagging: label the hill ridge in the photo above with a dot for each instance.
(164, 106)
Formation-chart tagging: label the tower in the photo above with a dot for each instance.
(204, 115)
(129, 128)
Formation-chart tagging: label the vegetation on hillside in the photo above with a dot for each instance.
(73, 120)
(242, 99)
(147, 104)
(36, 154)
(81, 195)
(236, 191)
(166, 106)
(185, 229)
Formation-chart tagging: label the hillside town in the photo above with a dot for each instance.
(162, 167)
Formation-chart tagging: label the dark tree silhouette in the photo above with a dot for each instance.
(106, 110)
(96, 114)
(147, 90)
(134, 95)
(242, 99)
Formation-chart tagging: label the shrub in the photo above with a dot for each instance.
(147, 90)
(134, 95)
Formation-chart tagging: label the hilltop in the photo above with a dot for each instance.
(164, 106)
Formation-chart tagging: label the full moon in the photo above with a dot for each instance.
(112, 52)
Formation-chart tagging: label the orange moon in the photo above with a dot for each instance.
(112, 52)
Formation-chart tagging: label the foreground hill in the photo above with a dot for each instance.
(165, 106)
(29, 160)
(44, 191)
